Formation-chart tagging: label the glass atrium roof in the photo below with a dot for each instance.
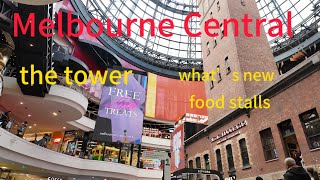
(180, 46)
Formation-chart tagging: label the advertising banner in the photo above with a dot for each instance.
(177, 149)
(121, 111)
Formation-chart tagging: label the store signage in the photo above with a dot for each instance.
(229, 133)
(53, 178)
(194, 118)
(201, 171)
(121, 112)
(151, 131)
(155, 155)
(177, 149)
(230, 178)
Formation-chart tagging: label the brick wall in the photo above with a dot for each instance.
(288, 104)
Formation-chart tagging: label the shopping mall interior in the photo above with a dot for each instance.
(62, 129)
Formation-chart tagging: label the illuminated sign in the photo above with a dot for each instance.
(229, 133)
(56, 140)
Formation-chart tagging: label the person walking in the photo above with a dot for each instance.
(313, 173)
(295, 172)
(22, 129)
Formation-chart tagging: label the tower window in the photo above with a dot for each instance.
(215, 42)
(244, 152)
(222, 30)
(219, 160)
(211, 82)
(243, 3)
(218, 6)
(219, 74)
(208, 48)
(228, 68)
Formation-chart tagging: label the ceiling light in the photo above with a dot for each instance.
(29, 115)
(64, 127)
(21, 102)
(31, 45)
(4, 168)
(30, 127)
(55, 114)
(35, 125)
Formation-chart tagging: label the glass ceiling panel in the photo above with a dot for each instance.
(180, 45)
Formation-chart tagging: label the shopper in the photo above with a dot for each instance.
(5, 119)
(22, 128)
(295, 172)
(259, 178)
(9, 125)
(44, 141)
(313, 173)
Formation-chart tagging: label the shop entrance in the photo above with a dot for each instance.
(289, 141)
(196, 174)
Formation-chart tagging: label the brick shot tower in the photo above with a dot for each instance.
(233, 54)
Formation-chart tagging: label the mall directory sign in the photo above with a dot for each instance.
(121, 111)
(177, 149)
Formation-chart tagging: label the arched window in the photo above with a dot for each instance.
(244, 152)
(219, 160)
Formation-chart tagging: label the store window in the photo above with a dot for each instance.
(230, 158)
(289, 141)
(219, 160)
(228, 68)
(311, 124)
(219, 78)
(244, 152)
(268, 145)
(208, 48)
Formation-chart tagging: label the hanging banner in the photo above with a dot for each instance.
(177, 149)
(121, 111)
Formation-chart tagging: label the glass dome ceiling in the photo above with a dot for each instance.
(180, 49)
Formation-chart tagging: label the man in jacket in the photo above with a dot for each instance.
(295, 172)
